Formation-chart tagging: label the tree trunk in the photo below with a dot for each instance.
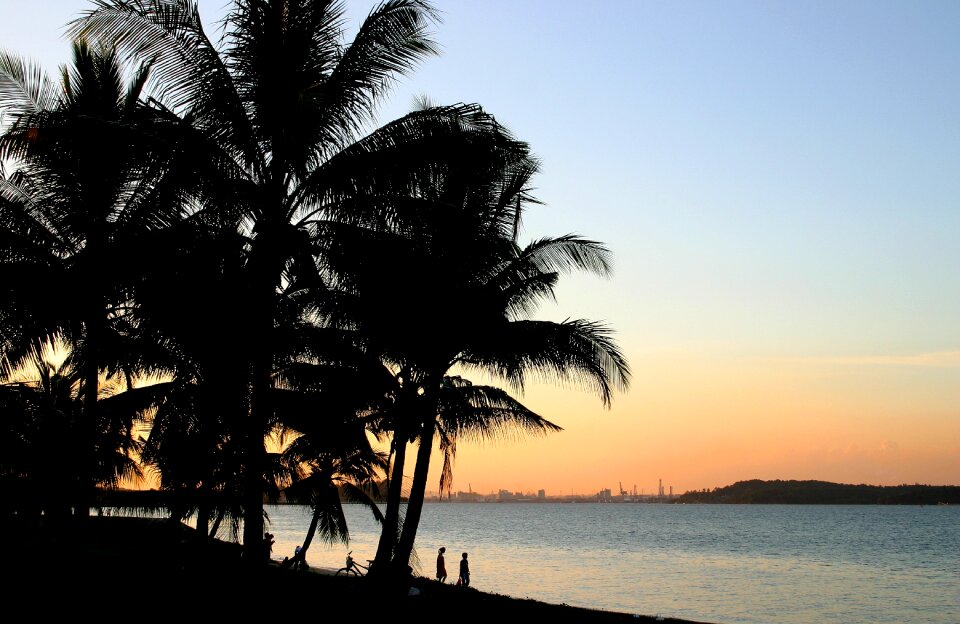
(88, 475)
(418, 489)
(311, 531)
(203, 513)
(91, 389)
(253, 469)
(299, 559)
(266, 268)
(391, 520)
(216, 524)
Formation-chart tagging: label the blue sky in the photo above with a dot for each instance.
(779, 183)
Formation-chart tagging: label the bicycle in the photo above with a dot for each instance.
(352, 567)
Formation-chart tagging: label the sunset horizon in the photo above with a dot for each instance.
(781, 217)
(295, 293)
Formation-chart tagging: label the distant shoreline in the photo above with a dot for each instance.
(824, 493)
(753, 492)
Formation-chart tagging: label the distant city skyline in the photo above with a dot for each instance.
(777, 183)
(601, 495)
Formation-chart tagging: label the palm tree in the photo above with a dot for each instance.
(83, 191)
(44, 414)
(331, 457)
(189, 448)
(457, 296)
(281, 104)
(193, 441)
(512, 348)
(323, 477)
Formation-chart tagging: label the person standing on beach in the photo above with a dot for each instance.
(267, 545)
(441, 566)
(464, 572)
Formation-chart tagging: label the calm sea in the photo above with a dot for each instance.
(727, 564)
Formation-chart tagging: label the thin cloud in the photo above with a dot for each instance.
(889, 446)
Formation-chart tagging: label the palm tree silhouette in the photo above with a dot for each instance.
(442, 286)
(402, 243)
(275, 108)
(194, 439)
(323, 476)
(84, 192)
(41, 397)
(513, 349)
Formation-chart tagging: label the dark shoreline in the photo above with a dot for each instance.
(165, 571)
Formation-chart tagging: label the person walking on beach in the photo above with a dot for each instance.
(267, 545)
(464, 572)
(441, 566)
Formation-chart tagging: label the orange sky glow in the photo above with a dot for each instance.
(700, 422)
(777, 185)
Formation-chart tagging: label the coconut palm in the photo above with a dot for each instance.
(449, 289)
(513, 348)
(323, 477)
(84, 188)
(281, 98)
(184, 300)
(331, 457)
(189, 449)
(44, 414)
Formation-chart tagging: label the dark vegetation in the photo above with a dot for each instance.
(156, 570)
(824, 493)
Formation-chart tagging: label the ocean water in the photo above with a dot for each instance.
(724, 564)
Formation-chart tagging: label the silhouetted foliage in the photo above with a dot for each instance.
(271, 120)
(290, 270)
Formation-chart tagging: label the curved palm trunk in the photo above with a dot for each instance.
(301, 557)
(418, 489)
(332, 496)
(391, 520)
(311, 531)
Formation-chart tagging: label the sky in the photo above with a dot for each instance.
(779, 185)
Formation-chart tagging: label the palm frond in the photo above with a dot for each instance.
(24, 87)
(567, 253)
(391, 41)
(331, 522)
(488, 412)
(398, 161)
(578, 352)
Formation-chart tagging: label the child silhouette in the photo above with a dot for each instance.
(464, 572)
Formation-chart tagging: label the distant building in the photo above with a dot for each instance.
(468, 497)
